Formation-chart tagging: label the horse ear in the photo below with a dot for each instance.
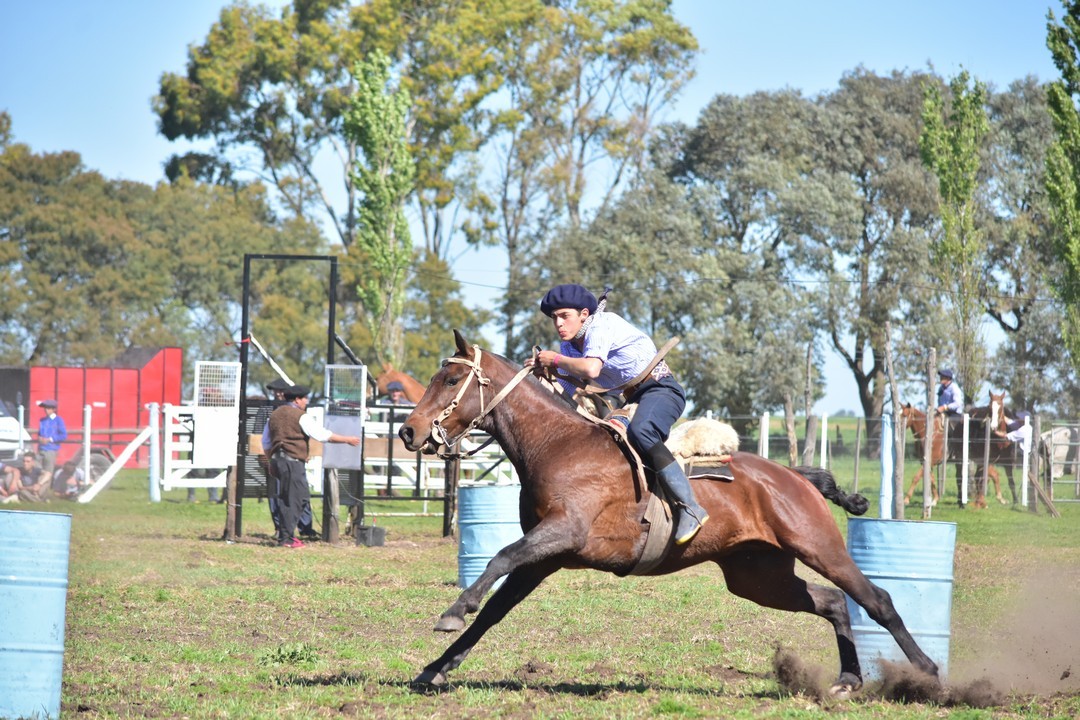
(462, 344)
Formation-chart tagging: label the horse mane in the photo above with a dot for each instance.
(548, 390)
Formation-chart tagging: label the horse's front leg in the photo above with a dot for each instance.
(997, 483)
(549, 538)
(517, 587)
(1012, 486)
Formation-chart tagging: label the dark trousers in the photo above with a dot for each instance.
(293, 493)
(660, 405)
(273, 500)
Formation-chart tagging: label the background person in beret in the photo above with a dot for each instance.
(276, 394)
(950, 398)
(290, 430)
(51, 432)
(395, 394)
(604, 348)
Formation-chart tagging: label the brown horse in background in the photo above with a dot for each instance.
(581, 507)
(1000, 449)
(413, 389)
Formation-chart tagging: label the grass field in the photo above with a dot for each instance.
(164, 619)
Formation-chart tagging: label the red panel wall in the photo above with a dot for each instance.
(117, 396)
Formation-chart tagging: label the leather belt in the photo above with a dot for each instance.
(658, 373)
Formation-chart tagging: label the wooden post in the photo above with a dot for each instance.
(899, 430)
(943, 469)
(230, 505)
(331, 497)
(810, 440)
(1036, 454)
(789, 424)
(451, 471)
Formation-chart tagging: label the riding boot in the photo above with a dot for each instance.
(691, 515)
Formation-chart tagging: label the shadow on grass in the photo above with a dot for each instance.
(577, 689)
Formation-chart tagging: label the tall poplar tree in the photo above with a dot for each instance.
(950, 145)
(1063, 168)
(377, 122)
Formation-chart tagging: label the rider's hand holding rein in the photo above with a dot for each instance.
(585, 367)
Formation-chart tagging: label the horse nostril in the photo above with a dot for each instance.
(406, 435)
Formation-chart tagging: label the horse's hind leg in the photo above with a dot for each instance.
(514, 589)
(841, 570)
(767, 576)
(914, 484)
(821, 548)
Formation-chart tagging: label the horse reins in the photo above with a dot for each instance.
(438, 432)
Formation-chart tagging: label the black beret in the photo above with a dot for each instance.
(568, 296)
(945, 374)
(277, 384)
(296, 391)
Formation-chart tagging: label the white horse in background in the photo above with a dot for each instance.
(1059, 448)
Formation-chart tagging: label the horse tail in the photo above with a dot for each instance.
(824, 481)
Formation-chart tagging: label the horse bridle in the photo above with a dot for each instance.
(438, 432)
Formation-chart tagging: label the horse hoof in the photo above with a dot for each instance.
(450, 623)
(429, 681)
(1002, 500)
(845, 686)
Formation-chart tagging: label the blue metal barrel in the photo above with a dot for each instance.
(913, 562)
(488, 521)
(33, 598)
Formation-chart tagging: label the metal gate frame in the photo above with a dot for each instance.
(329, 519)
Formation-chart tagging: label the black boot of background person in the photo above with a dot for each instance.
(691, 515)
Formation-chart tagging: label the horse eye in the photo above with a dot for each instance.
(451, 381)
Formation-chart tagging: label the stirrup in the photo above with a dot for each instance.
(688, 535)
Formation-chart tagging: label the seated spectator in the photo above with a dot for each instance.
(27, 481)
(10, 475)
(69, 480)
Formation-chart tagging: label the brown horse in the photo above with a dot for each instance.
(581, 507)
(1000, 449)
(413, 389)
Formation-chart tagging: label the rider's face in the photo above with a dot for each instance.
(568, 321)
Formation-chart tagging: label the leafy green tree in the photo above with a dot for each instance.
(72, 284)
(377, 123)
(92, 267)
(583, 84)
(951, 144)
(435, 306)
(1014, 214)
(279, 86)
(873, 260)
(1063, 168)
(747, 165)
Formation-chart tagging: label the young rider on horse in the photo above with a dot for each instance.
(605, 348)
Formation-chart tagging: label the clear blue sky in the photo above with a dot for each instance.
(80, 76)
